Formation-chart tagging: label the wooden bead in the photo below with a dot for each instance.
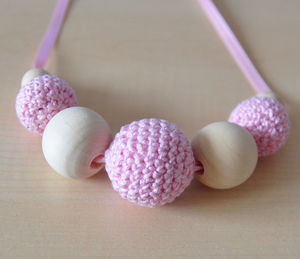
(32, 73)
(268, 94)
(73, 140)
(228, 154)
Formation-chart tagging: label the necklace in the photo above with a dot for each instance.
(150, 161)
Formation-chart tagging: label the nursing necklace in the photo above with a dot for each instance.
(150, 162)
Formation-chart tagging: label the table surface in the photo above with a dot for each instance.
(133, 59)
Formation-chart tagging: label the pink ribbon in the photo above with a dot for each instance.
(234, 47)
(52, 33)
(222, 28)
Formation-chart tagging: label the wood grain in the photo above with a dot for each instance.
(133, 59)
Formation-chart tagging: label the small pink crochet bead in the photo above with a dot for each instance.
(150, 162)
(40, 99)
(267, 121)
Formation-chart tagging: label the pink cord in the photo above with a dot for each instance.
(51, 34)
(234, 47)
(211, 11)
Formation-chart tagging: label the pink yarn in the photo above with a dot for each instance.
(150, 162)
(267, 121)
(40, 99)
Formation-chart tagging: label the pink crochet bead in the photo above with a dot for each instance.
(150, 162)
(267, 121)
(40, 99)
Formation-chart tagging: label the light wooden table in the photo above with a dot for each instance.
(133, 59)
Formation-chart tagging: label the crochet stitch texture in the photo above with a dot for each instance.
(150, 162)
(267, 121)
(40, 99)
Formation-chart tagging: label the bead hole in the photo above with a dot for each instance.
(199, 168)
(97, 162)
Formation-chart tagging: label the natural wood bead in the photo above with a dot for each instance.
(228, 154)
(73, 139)
(268, 94)
(32, 73)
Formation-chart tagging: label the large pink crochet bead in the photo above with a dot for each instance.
(267, 121)
(150, 162)
(40, 99)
